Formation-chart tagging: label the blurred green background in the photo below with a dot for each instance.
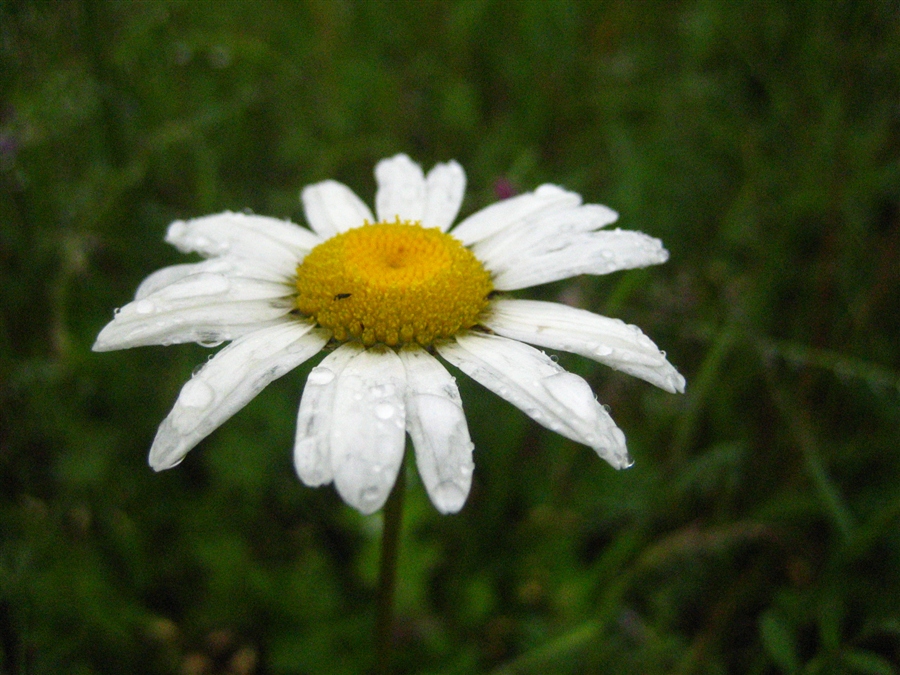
(757, 531)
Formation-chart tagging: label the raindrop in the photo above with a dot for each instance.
(320, 376)
(384, 411)
(210, 339)
(602, 350)
(144, 307)
(196, 394)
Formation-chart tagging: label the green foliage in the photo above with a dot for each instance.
(757, 532)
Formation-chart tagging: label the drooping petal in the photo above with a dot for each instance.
(437, 426)
(543, 231)
(531, 381)
(227, 382)
(445, 186)
(401, 189)
(278, 242)
(332, 208)
(312, 447)
(369, 429)
(207, 307)
(513, 211)
(609, 341)
(570, 255)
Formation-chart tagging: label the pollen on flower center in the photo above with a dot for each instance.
(394, 283)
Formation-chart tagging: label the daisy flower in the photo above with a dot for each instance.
(384, 296)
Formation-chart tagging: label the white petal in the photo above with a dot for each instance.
(445, 187)
(437, 426)
(543, 231)
(227, 382)
(332, 208)
(165, 276)
(572, 254)
(369, 428)
(401, 189)
(513, 211)
(609, 341)
(228, 265)
(278, 242)
(531, 381)
(312, 447)
(208, 308)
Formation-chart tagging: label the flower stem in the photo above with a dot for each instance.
(387, 578)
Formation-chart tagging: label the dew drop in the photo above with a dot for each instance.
(144, 307)
(210, 339)
(196, 394)
(602, 350)
(320, 376)
(384, 411)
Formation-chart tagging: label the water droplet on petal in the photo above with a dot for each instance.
(602, 350)
(196, 394)
(320, 376)
(144, 307)
(210, 339)
(384, 411)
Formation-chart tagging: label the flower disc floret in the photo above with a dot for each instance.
(395, 283)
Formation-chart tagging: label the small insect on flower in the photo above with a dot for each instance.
(392, 292)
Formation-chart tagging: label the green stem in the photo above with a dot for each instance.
(387, 578)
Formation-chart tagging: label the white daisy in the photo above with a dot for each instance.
(390, 293)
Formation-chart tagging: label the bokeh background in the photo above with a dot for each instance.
(756, 533)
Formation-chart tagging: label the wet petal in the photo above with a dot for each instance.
(543, 230)
(445, 187)
(531, 381)
(207, 307)
(570, 255)
(227, 265)
(369, 429)
(512, 212)
(279, 242)
(401, 189)
(332, 208)
(609, 341)
(312, 447)
(226, 383)
(437, 426)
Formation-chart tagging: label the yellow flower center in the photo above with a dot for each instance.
(394, 283)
